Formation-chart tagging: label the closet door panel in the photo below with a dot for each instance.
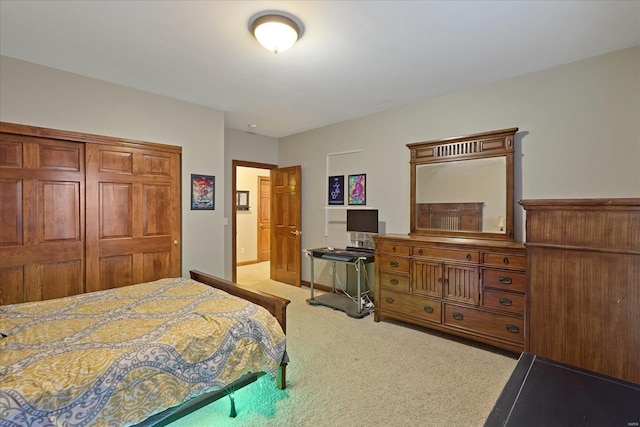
(42, 239)
(116, 271)
(133, 221)
(11, 218)
(12, 285)
(60, 279)
(116, 210)
(60, 216)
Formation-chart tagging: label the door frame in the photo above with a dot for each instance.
(234, 231)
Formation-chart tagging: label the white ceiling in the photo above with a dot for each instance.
(355, 57)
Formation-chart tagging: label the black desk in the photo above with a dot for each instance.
(334, 300)
(545, 393)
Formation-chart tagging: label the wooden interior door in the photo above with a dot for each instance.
(286, 218)
(42, 190)
(264, 218)
(133, 215)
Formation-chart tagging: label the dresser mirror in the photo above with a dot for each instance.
(463, 186)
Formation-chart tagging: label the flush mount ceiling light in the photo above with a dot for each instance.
(276, 31)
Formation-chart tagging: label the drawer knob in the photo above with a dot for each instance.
(505, 260)
(506, 302)
(428, 309)
(512, 328)
(393, 249)
(469, 257)
(393, 281)
(505, 280)
(419, 251)
(394, 263)
(389, 300)
(457, 316)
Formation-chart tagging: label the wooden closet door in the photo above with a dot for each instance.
(133, 215)
(42, 221)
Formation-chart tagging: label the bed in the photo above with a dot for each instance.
(140, 354)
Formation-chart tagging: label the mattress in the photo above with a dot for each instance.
(116, 357)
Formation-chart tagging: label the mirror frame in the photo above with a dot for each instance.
(499, 143)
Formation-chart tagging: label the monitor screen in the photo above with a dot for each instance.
(362, 220)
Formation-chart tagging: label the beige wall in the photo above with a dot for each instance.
(41, 96)
(579, 137)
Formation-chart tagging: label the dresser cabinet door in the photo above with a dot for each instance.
(461, 283)
(427, 278)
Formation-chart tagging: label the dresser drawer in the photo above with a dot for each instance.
(395, 264)
(415, 306)
(398, 282)
(447, 254)
(392, 248)
(503, 279)
(513, 303)
(505, 260)
(497, 325)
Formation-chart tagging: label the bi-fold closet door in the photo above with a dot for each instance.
(82, 213)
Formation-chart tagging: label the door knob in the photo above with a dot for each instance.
(175, 242)
(296, 233)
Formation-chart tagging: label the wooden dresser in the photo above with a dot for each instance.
(474, 288)
(584, 283)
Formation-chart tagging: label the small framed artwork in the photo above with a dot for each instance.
(203, 192)
(242, 200)
(336, 190)
(357, 189)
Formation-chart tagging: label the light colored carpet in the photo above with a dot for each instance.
(356, 372)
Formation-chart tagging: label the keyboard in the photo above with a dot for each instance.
(340, 254)
(338, 257)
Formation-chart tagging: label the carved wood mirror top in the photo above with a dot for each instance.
(463, 186)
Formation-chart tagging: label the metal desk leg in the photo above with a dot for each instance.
(311, 281)
(333, 276)
(358, 266)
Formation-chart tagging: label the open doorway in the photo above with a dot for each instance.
(250, 245)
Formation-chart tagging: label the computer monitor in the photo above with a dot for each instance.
(362, 221)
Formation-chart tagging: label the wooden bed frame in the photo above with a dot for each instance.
(275, 305)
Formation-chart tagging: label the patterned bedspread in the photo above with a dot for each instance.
(119, 356)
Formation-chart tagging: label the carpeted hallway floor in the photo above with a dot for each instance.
(355, 372)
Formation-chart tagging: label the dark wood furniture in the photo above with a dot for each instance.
(542, 392)
(584, 283)
(474, 289)
(82, 213)
(467, 283)
(474, 168)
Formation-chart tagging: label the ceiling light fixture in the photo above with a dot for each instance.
(276, 31)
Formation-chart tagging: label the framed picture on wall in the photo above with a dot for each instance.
(336, 190)
(203, 192)
(357, 189)
(242, 200)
